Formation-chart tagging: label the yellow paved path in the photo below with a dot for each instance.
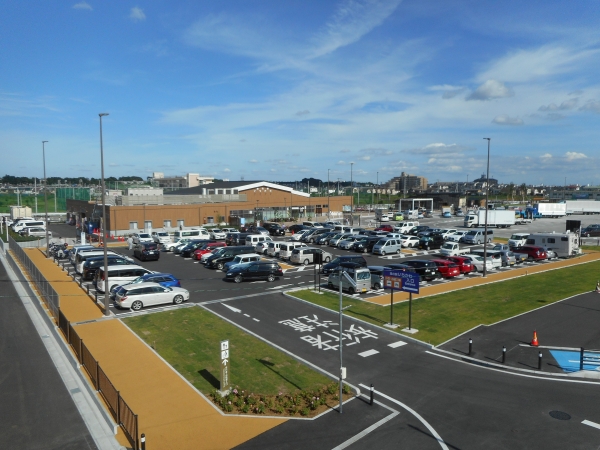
(491, 278)
(171, 413)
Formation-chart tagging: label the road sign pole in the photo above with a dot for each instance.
(392, 309)
(409, 310)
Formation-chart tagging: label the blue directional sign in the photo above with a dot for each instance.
(399, 280)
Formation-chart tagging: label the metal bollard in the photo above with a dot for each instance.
(503, 354)
(143, 441)
(540, 361)
(581, 359)
(470, 346)
(372, 394)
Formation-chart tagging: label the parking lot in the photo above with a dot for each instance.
(207, 285)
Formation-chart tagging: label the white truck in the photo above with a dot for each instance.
(411, 214)
(453, 249)
(582, 207)
(495, 218)
(381, 215)
(447, 209)
(552, 209)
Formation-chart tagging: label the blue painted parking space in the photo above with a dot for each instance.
(569, 361)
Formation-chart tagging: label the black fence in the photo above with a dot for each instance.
(121, 412)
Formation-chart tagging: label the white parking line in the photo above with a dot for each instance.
(256, 320)
(368, 353)
(397, 344)
(591, 424)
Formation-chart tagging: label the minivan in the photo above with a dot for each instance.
(476, 236)
(118, 275)
(80, 248)
(225, 254)
(91, 265)
(28, 223)
(286, 248)
(386, 246)
(273, 249)
(82, 256)
(253, 239)
(361, 280)
(306, 255)
(242, 259)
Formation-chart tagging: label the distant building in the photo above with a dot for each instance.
(407, 183)
(188, 180)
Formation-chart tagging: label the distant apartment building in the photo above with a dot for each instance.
(407, 182)
(179, 182)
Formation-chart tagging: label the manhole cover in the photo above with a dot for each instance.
(560, 415)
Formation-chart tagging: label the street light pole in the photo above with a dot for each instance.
(46, 199)
(104, 234)
(352, 196)
(328, 199)
(487, 196)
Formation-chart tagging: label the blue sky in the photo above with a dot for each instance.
(281, 90)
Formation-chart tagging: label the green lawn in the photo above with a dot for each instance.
(441, 317)
(189, 340)
(16, 236)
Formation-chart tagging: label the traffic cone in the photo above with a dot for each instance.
(535, 342)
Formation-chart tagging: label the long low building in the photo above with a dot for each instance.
(209, 204)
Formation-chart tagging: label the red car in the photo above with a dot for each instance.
(464, 264)
(206, 248)
(386, 228)
(533, 252)
(446, 268)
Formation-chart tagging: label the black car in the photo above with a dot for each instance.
(426, 269)
(229, 238)
(178, 250)
(257, 270)
(429, 240)
(354, 259)
(239, 239)
(146, 250)
(591, 230)
(366, 244)
(295, 228)
(189, 249)
(323, 239)
(313, 235)
(418, 229)
(91, 265)
(225, 254)
(274, 229)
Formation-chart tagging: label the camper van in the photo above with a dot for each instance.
(563, 244)
(361, 280)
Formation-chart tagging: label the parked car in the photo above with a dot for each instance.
(418, 229)
(137, 296)
(164, 279)
(230, 230)
(463, 263)
(333, 242)
(348, 242)
(260, 270)
(365, 244)
(478, 262)
(142, 237)
(409, 241)
(91, 265)
(273, 249)
(241, 259)
(533, 252)
(388, 228)
(447, 215)
(376, 277)
(33, 231)
(295, 228)
(323, 239)
(447, 268)
(145, 251)
(207, 248)
(217, 234)
(335, 263)
(189, 250)
(307, 255)
(591, 230)
(161, 237)
(171, 246)
(457, 236)
(298, 235)
(274, 229)
(431, 240)
(426, 269)
(387, 246)
(262, 247)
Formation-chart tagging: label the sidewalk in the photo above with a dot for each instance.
(171, 413)
(493, 277)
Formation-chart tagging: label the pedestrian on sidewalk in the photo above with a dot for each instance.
(130, 242)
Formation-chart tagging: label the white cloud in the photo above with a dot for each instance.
(546, 156)
(365, 158)
(571, 156)
(591, 105)
(253, 161)
(137, 14)
(506, 120)
(491, 89)
(564, 106)
(82, 5)
(226, 170)
(341, 163)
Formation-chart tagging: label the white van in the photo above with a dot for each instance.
(242, 259)
(84, 255)
(273, 249)
(387, 246)
(286, 248)
(28, 224)
(405, 227)
(253, 239)
(192, 233)
(361, 280)
(118, 275)
(477, 236)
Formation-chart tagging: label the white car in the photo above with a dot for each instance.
(217, 234)
(347, 243)
(296, 236)
(262, 247)
(138, 238)
(170, 246)
(137, 296)
(477, 262)
(161, 237)
(456, 236)
(409, 241)
(447, 232)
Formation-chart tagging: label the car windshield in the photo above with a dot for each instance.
(216, 230)
(163, 233)
(516, 236)
(144, 235)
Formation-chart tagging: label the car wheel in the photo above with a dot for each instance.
(474, 269)
(238, 279)
(351, 290)
(178, 299)
(220, 266)
(305, 262)
(330, 285)
(327, 259)
(376, 286)
(271, 278)
(398, 252)
(137, 305)
(365, 250)
(113, 287)
(530, 259)
(489, 240)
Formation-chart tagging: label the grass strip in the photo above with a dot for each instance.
(441, 317)
(189, 339)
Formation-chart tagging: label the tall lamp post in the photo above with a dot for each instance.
(104, 234)
(487, 196)
(352, 196)
(328, 199)
(46, 199)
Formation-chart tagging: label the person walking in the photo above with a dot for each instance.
(130, 242)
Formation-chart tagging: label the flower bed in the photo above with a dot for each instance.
(300, 403)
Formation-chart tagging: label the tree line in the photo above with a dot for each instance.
(83, 181)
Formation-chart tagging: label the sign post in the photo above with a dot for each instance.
(225, 376)
(399, 280)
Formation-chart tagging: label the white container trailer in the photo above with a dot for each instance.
(495, 218)
(582, 207)
(19, 211)
(563, 244)
(552, 209)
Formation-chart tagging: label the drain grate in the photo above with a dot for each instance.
(560, 415)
